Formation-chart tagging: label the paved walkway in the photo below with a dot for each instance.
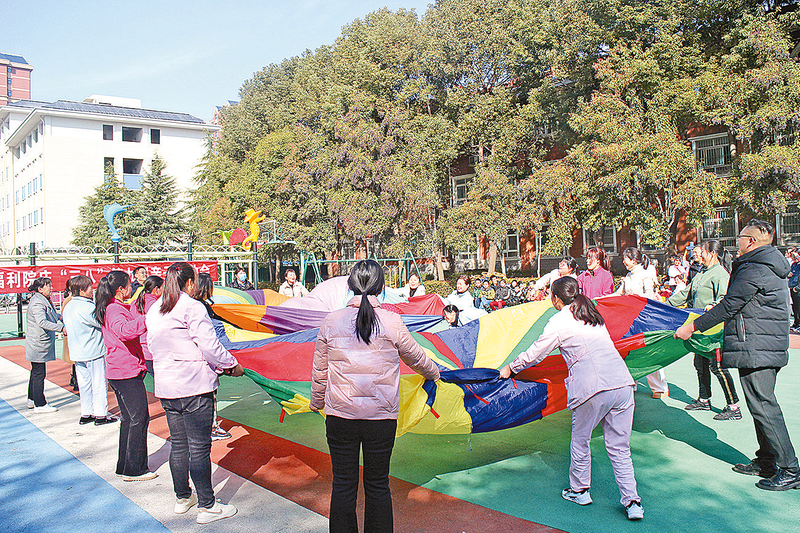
(56, 475)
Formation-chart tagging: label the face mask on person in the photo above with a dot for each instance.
(241, 276)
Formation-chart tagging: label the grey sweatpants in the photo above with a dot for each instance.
(614, 410)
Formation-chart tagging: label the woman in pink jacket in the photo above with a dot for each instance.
(125, 370)
(187, 358)
(599, 390)
(356, 378)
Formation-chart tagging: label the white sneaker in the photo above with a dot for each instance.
(581, 498)
(46, 408)
(635, 511)
(30, 404)
(143, 477)
(217, 512)
(184, 504)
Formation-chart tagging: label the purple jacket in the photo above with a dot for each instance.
(362, 381)
(187, 355)
(121, 331)
(594, 363)
(596, 283)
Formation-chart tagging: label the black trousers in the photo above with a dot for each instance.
(705, 367)
(36, 384)
(346, 438)
(134, 420)
(774, 446)
(795, 307)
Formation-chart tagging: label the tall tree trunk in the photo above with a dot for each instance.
(492, 257)
(439, 266)
(277, 268)
(503, 264)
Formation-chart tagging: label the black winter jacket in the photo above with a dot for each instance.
(755, 310)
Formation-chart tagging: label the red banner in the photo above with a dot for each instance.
(18, 278)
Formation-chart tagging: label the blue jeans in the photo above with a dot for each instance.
(346, 438)
(189, 420)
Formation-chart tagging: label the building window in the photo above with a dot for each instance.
(108, 166)
(35, 218)
(108, 132)
(155, 136)
(788, 225)
(41, 215)
(723, 226)
(16, 197)
(608, 234)
(511, 244)
(713, 153)
(461, 190)
(132, 173)
(131, 135)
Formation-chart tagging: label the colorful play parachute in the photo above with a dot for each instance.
(470, 396)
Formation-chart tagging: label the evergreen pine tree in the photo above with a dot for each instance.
(154, 217)
(92, 229)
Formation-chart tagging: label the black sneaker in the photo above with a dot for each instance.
(105, 420)
(86, 420)
(729, 414)
(700, 405)
(753, 469)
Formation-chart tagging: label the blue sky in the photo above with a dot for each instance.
(185, 56)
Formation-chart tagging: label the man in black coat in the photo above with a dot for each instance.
(756, 341)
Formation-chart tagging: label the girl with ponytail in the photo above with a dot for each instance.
(125, 369)
(187, 359)
(599, 390)
(356, 378)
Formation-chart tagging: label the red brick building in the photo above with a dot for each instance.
(16, 79)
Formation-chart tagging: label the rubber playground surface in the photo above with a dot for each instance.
(510, 480)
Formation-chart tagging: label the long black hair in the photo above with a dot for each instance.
(151, 283)
(106, 290)
(568, 291)
(366, 279)
(177, 276)
(713, 245)
(39, 283)
(205, 287)
(571, 263)
(635, 254)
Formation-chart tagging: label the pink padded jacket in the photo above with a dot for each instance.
(361, 381)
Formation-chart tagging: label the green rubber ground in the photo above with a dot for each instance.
(682, 460)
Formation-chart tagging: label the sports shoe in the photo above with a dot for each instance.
(782, 480)
(30, 404)
(754, 469)
(184, 504)
(581, 498)
(99, 421)
(217, 512)
(635, 510)
(729, 414)
(699, 405)
(219, 434)
(142, 477)
(86, 420)
(46, 408)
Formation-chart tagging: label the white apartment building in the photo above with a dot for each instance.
(54, 155)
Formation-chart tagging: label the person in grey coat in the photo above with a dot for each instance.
(40, 341)
(755, 311)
